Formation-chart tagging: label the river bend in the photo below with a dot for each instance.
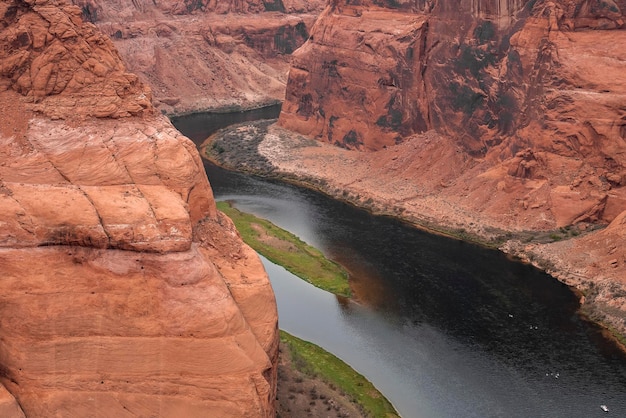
(443, 328)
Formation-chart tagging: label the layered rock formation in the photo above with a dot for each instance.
(124, 292)
(44, 57)
(199, 55)
(533, 101)
(402, 68)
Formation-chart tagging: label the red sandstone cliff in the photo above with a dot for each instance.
(532, 92)
(124, 292)
(374, 72)
(199, 55)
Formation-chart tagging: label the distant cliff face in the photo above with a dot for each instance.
(123, 290)
(199, 55)
(477, 70)
(534, 88)
(107, 9)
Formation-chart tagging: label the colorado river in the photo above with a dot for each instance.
(443, 328)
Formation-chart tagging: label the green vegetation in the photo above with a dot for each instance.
(556, 237)
(318, 363)
(285, 249)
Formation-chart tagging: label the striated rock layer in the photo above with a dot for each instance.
(480, 114)
(395, 68)
(124, 292)
(199, 55)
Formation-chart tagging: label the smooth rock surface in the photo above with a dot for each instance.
(124, 291)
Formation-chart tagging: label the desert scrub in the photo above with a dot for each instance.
(317, 362)
(285, 249)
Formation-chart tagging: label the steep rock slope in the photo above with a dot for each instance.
(123, 291)
(531, 92)
(199, 55)
(477, 72)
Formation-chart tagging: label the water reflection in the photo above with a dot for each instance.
(456, 326)
(427, 372)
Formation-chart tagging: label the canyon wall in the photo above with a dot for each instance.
(202, 54)
(407, 67)
(386, 70)
(533, 91)
(123, 291)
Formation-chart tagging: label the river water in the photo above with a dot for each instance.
(443, 328)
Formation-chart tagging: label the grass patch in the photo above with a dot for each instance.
(287, 250)
(319, 363)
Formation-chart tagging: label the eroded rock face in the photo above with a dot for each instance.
(145, 194)
(532, 90)
(451, 67)
(133, 334)
(199, 55)
(123, 289)
(63, 65)
(349, 85)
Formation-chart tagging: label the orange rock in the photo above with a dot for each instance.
(509, 82)
(8, 405)
(351, 83)
(117, 331)
(86, 79)
(199, 55)
(124, 290)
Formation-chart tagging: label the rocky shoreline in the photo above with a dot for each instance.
(367, 180)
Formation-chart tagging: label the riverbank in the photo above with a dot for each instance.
(300, 395)
(385, 183)
(313, 382)
(285, 249)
